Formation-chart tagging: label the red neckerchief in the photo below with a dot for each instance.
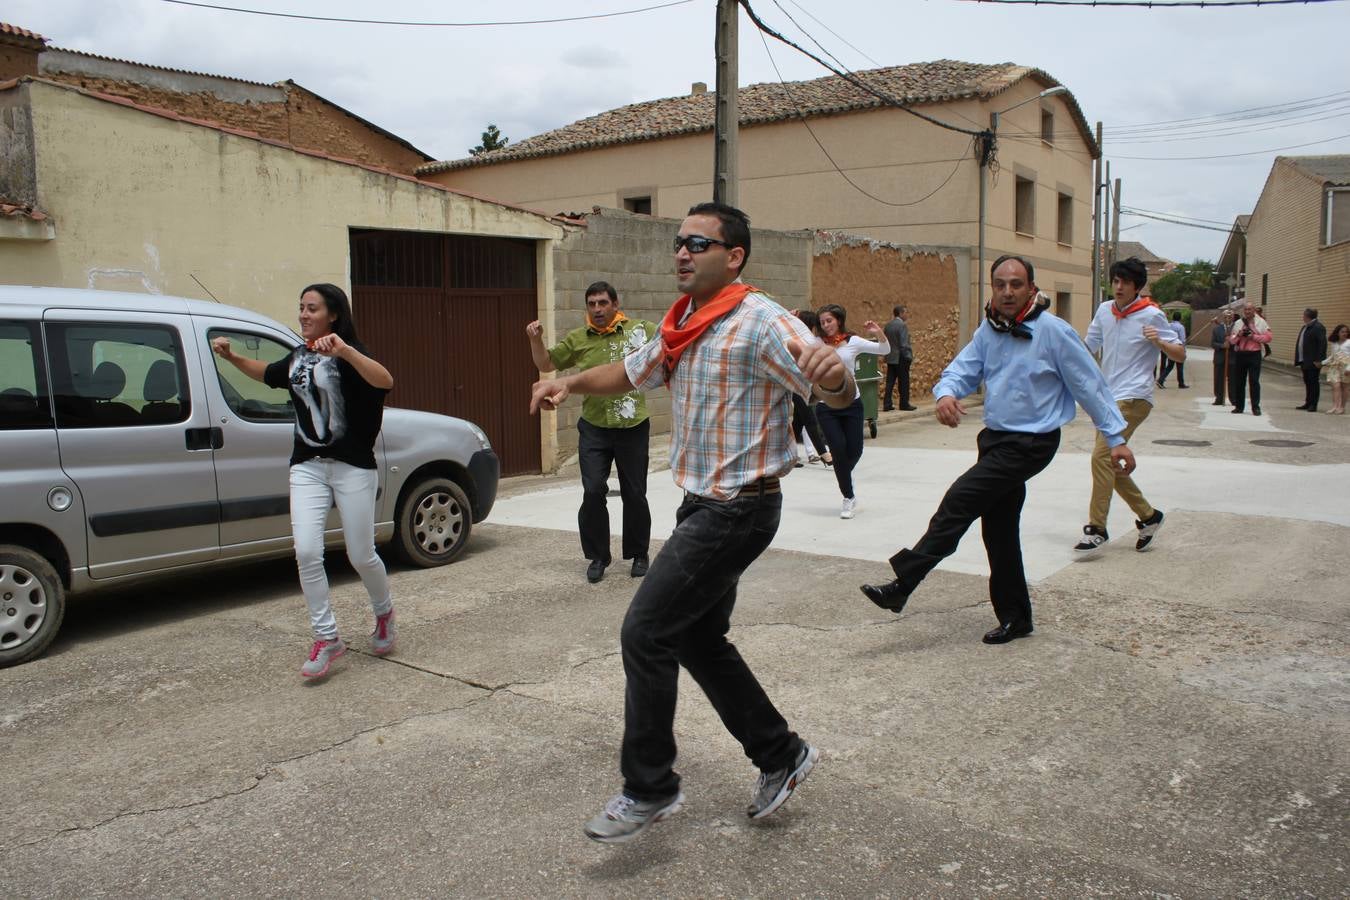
(835, 340)
(1138, 304)
(677, 338)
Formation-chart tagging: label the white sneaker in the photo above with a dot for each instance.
(850, 507)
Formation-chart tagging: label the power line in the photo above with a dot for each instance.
(1155, 212)
(281, 15)
(1174, 221)
(850, 77)
(1151, 4)
(809, 130)
(833, 32)
(1232, 155)
(1272, 109)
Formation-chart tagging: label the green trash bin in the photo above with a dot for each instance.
(868, 376)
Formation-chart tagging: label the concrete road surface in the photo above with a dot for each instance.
(1177, 726)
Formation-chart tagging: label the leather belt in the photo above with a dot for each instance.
(766, 485)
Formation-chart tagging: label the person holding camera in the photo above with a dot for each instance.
(1247, 337)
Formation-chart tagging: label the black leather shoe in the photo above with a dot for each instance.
(1217, 403)
(1301, 407)
(1004, 633)
(595, 571)
(909, 408)
(890, 595)
(640, 564)
(1256, 410)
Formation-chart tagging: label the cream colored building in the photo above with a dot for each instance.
(1298, 246)
(98, 192)
(823, 154)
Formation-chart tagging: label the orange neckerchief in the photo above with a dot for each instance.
(677, 338)
(608, 329)
(1138, 304)
(836, 339)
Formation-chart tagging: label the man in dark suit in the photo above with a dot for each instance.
(1310, 348)
(898, 360)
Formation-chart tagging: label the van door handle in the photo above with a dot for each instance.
(205, 438)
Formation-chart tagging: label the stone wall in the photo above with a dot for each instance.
(633, 253)
(869, 277)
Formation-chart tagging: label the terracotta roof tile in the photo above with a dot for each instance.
(21, 35)
(916, 84)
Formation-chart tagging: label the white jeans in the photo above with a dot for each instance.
(316, 485)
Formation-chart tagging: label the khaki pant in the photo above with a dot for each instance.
(1105, 477)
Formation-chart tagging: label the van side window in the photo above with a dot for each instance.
(24, 401)
(115, 374)
(252, 400)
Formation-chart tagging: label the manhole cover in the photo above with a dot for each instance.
(1279, 443)
(1181, 442)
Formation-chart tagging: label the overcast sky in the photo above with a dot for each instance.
(438, 86)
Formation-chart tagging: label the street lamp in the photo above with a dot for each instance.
(988, 144)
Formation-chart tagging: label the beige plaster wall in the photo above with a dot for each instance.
(144, 203)
(787, 182)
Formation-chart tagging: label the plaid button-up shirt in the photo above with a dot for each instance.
(731, 398)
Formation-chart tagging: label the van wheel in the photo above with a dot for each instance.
(433, 523)
(32, 604)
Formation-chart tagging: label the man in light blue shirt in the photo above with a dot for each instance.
(1034, 367)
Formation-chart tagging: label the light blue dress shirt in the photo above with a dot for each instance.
(1031, 386)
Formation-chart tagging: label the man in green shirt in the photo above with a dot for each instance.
(613, 430)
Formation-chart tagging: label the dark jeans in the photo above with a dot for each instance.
(804, 419)
(1220, 378)
(896, 372)
(1312, 388)
(844, 433)
(993, 491)
(680, 617)
(1245, 369)
(626, 449)
(1167, 366)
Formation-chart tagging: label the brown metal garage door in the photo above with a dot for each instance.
(447, 315)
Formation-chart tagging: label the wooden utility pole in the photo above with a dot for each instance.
(1097, 223)
(725, 143)
(1115, 224)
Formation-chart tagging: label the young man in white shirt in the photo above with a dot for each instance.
(1129, 332)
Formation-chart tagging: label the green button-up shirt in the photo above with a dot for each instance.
(584, 349)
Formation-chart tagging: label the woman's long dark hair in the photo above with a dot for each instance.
(335, 298)
(839, 314)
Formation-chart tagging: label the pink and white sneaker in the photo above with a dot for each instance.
(382, 638)
(321, 657)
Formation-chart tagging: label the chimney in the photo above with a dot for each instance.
(698, 87)
(19, 49)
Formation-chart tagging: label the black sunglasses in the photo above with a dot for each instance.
(697, 243)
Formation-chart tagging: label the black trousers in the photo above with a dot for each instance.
(993, 491)
(1167, 366)
(1220, 377)
(844, 431)
(680, 616)
(804, 420)
(626, 449)
(1312, 388)
(1244, 370)
(896, 372)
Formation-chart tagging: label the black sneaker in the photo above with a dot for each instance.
(1147, 529)
(774, 788)
(1094, 539)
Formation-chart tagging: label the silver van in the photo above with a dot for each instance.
(128, 450)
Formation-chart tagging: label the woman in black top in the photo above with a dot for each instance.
(338, 393)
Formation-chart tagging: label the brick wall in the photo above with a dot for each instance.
(868, 278)
(286, 112)
(16, 62)
(633, 253)
(1284, 244)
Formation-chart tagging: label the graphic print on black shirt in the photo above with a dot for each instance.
(337, 412)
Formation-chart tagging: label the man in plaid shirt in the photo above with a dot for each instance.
(732, 358)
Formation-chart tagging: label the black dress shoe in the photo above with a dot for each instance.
(640, 564)
(1004, 633)
(909, 408)
(1301, 407)
(1217, 403)
(1237, 410)
(890, 595)
(595, 571)
(1256, 410)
